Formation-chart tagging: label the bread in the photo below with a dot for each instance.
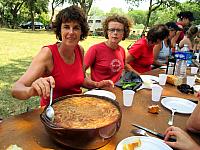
(132, 146)
(174, 80)
(198, 79)
(154, 109)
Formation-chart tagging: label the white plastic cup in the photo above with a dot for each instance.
(191, 80)
(128, 97)
(162, 79)
(170, 70)
(156, 92)
(194, 70)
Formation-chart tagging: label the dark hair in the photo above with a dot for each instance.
(192, 31)
(116, 18)
(157, 32)
(72, 13)
(172, 25)
(186, 14)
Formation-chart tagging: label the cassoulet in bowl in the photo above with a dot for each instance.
(83, 121)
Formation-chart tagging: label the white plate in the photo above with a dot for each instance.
(102, 93)
(147, 143)
(150, 78)
(163, 67)
(148, 81)
(181, 105)
(196, 88)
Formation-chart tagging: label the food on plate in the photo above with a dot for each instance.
(85, 113)
(174, 80)
(14, 147)
(154, 109)
(197, 79)
(132, 146)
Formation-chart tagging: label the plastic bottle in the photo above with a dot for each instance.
(185, 48)
(181, 64)
(177, 48)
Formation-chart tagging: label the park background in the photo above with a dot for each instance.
(19, 46)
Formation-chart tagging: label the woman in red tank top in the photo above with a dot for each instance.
(59, 65)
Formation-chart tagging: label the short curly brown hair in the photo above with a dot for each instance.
(117, 18)
(72, 13)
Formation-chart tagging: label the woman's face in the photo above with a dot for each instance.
(115, 32)
(172, 33)
(70, 33)
(186, 21)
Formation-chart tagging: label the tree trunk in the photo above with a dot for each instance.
(148, 17)
(52, 13)
(32, 21)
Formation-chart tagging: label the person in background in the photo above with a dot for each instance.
(162, 50)
(107, 59)
(184, 141)
(189, 38)
(60, 65)
(142, 35)
(184, 20)
(140, 56)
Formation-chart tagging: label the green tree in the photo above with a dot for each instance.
(2, 12)
(170, 14)
(138, 16)
(153, 6)
(14, 6)
(84, 4)
(115, 10)
(36, 7)
(54, 4)
(95, 11)
(9, 11)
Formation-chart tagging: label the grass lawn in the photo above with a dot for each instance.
(18, 47)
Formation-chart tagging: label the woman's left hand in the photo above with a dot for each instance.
(105, 84)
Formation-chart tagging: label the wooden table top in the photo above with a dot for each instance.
(27, 131)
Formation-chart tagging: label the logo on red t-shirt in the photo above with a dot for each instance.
(115, 65)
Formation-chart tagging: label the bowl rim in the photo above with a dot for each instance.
(52, 125)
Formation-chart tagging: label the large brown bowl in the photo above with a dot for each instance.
(82, 138)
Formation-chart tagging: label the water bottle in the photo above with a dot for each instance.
(177, 48)
(185, 48)
(181, 64)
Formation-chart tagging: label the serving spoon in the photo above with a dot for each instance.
(49, 111)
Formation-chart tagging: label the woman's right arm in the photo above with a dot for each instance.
(128, 67)
(156, 51)
(175, 38)
(193, 123)
(32, 83)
